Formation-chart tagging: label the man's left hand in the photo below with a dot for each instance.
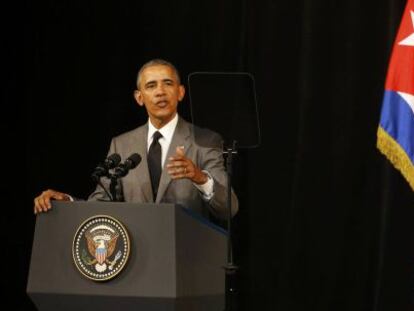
(180, 166)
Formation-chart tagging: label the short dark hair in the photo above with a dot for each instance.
(155, 62)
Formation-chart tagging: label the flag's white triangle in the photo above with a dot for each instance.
(409, 98)
(410, 39)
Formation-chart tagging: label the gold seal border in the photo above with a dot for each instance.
(126, 257)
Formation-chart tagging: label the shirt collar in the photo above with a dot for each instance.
(167, 131)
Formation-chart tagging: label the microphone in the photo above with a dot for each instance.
(102, 169)
(129, 164)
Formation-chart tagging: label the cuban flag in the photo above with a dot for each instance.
(395, 136)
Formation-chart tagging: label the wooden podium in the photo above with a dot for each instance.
(175, 262)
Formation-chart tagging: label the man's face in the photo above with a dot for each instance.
(159, 91)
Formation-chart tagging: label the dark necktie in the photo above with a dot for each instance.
(154, 162)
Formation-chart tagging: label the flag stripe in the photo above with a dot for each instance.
(397, 118)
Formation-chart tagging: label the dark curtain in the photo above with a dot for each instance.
(324, 221)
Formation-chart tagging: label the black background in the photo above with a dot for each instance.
(325, 221)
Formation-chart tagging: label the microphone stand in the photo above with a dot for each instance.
(121, 171)
(112, 187)
(230, 268)
(97, 179)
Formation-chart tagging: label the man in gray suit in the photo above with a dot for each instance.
(193, 173)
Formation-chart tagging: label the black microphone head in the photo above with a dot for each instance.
(102, 169)
(130, 163)
(113, 160)
(133, 160)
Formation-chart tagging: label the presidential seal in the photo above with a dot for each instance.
(101, 248)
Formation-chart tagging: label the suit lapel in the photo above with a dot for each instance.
(181, 137)
(143, 172)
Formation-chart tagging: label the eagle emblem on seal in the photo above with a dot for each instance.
(101, 243)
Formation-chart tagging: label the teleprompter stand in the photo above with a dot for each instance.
(230, 267)
(225, 102)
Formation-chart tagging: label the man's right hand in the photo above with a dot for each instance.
(42, 202)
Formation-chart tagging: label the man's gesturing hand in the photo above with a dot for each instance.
(180, 166)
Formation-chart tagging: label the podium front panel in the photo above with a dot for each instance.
(166, 267)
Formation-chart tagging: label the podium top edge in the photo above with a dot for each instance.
(193, 214)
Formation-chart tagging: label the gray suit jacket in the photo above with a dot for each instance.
(136, 186)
